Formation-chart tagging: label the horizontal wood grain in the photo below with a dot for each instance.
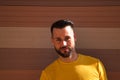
(39, 37)
(37, 16)
(25, 47)
(37, 58)
(113, 75)
(61, 2)
(27, 63)
(20, 74)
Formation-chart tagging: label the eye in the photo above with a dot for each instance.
(58, 40)
(67, 38)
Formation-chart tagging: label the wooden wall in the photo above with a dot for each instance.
(25, 47)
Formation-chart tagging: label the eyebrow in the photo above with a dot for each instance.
(66, 37)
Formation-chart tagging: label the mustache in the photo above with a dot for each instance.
(64, 47)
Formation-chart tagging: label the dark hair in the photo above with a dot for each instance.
(61, 24)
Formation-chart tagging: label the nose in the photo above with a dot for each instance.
(64, 43)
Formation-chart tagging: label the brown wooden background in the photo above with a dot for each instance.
(25, 47)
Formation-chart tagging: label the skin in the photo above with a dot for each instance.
(64, 41)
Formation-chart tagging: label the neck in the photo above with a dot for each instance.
(71, 58)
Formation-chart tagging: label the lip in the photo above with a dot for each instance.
(64, 49)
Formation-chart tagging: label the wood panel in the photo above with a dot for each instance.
(27, 63)
(20, 74)
(37, 58)
(22, 29)
(36, 16)
(25, 58)
(61, 2)
(39, 37)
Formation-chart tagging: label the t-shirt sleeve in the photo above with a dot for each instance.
(102, 71)
(43, 76)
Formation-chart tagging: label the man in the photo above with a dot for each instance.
(70, 65)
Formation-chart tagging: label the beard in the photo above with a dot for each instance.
(65, 53)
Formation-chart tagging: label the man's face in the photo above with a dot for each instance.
(64, 41)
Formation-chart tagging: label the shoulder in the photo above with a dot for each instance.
(48, 71)
(88, 59)
(51, 66)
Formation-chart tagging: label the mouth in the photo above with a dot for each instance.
(65, 49)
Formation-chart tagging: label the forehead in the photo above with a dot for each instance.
(66, 31)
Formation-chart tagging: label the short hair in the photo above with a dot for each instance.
(61, 24)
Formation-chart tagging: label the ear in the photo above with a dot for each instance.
(75, 38)
(52, 41)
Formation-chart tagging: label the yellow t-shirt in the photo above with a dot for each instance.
(84, 68)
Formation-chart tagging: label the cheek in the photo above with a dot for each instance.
(55, 44)
(72, 43)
